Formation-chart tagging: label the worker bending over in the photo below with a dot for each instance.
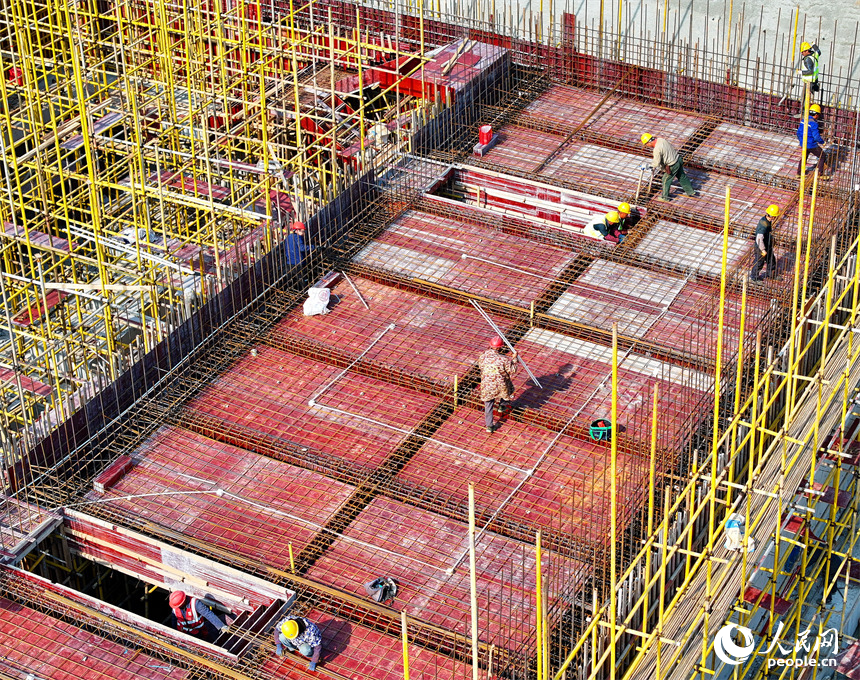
(193, 617)
(298, 634)
(814, 143)
(497, 374)
(666, 158)
(628, 218)
(809, 65)
(764, 245)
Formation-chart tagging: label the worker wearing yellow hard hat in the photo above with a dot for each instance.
(298, 634)
(666, 158)
(628, 218)
(809, 65)
(814, 143)
(764, 245)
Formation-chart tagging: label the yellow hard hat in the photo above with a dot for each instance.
(805, 46)
(646, 137)
(613, 217)
(290, 629)
(815, 108)
(773, 210)
(624, 208)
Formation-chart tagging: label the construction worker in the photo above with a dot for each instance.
(814, 143)
(192, 617)
(764, 245)
(628, 218)
(605, 227)
(296, 243)
(809, 65)
(298, 634)
(497, 372)
(667, 158)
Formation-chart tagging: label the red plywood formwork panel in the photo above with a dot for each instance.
(269, 393)
(522, 149)
(509, 268)
(748, 199)
(581, 387)
(524, 474)
(606, 172)
(623, 121)
(736, 148)
(691, 250)
(664, 308)
(564, 209)
(37, 644)
(359, 653)
(420, 549)
(432, 338)
(566, 107)
(240, 501)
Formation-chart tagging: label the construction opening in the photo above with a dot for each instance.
(261, 262)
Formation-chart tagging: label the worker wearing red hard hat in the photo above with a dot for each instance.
(764, 245)
(497, 372)
(298, 634)
(193, 617)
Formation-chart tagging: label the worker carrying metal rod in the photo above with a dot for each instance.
(666, 158)
(497, 372)
(814, 144)
(764, 245)
(193, 617)
(298, 634)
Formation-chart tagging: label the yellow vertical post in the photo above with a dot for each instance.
(405, 639)
(789, 399)
(738, 380)
(652, 473)
(473, 582)
(809, 225)
(292, 562)
(532, 314)
(715, 438)
(539, 608)
(613, 474)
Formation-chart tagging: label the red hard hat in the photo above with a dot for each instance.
(496, 342)
(297, 226)
(177, 598)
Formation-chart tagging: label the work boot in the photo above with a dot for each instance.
(491, 429)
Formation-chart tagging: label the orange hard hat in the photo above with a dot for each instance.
(177, 598)
(496, 342)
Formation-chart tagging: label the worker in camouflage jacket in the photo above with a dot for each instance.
(497, 372)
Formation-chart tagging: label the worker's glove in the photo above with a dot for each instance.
(224, 629)
(279, 650)
(312, 666)
(645, 166)
(763, 252)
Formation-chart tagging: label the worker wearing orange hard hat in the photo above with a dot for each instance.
(666, 158)
(764, 245)
(814, 142)
(809, 65)
(193, 617)
(298, 634)
(497, 372)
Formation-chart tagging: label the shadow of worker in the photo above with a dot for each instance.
(336, 636)
(534, 397)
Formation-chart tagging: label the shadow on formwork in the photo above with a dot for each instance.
(245, 377)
